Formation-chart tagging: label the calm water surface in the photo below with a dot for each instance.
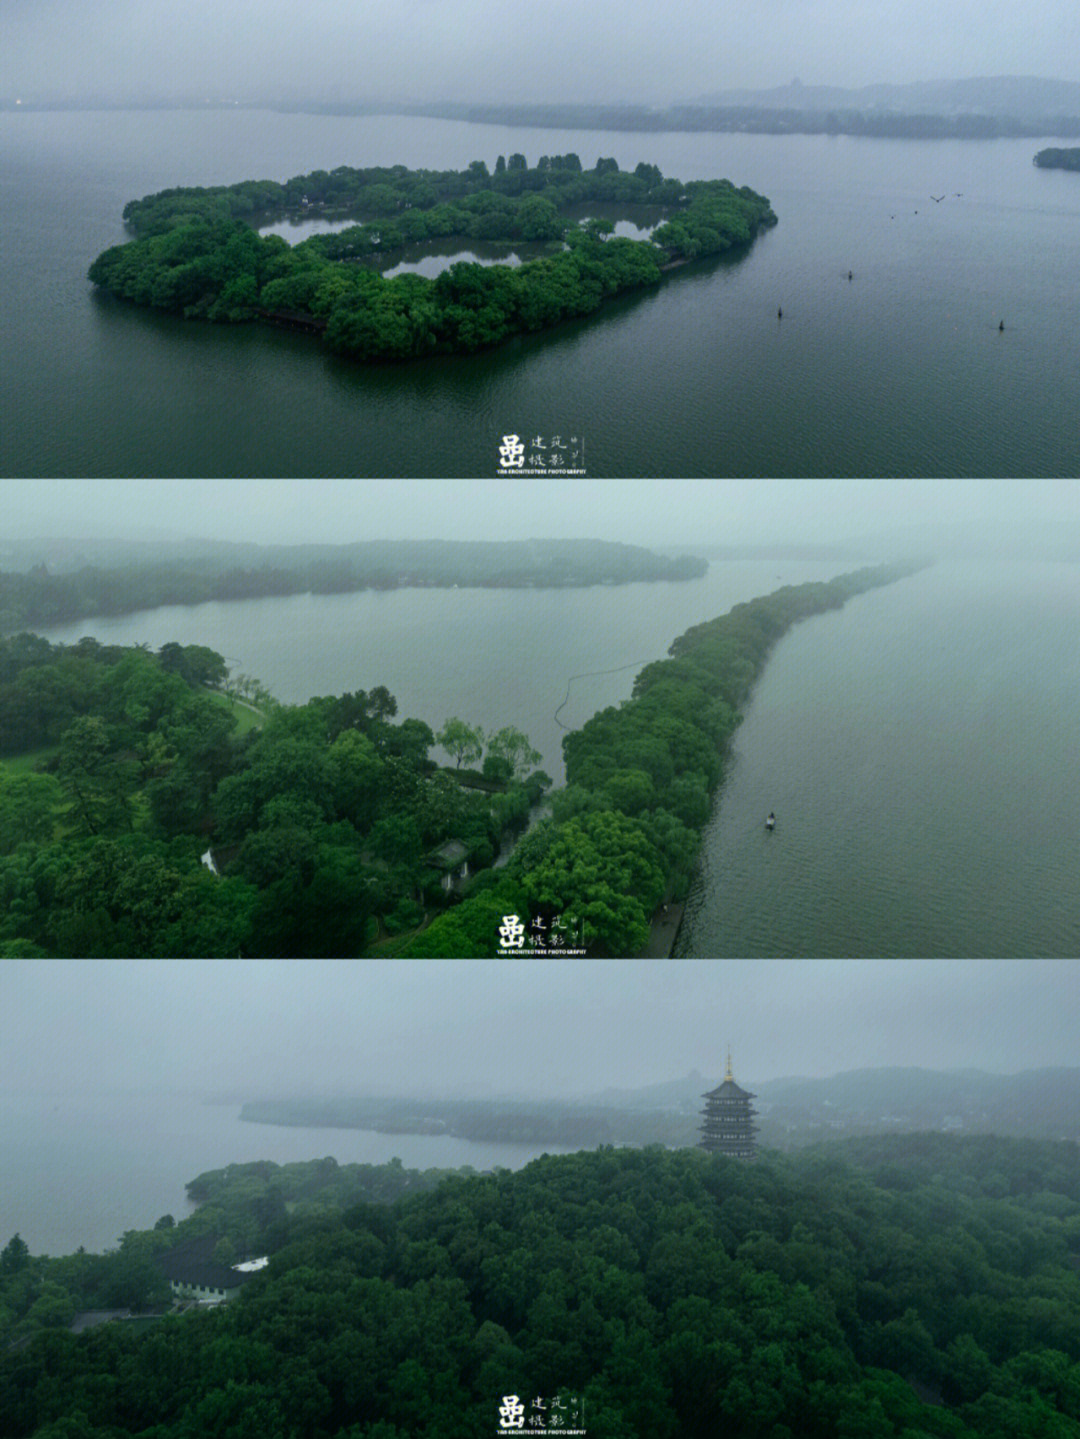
(919, 749)
(491, 657)
(83, 1170)
(919, 746)
(900, 371)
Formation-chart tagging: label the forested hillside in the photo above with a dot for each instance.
(44, 594)
(1035, 1103)
(897, 1289)
(493, 1121)
(1041, 1104)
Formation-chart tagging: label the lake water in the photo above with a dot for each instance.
(82, 1170)
(491, 657)
(919, 749)
(900, 371)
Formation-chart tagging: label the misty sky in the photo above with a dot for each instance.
(657, 512)
(265, 1027)
(633, 50)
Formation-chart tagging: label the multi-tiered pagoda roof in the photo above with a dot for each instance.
(728, 1120)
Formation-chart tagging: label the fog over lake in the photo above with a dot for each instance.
(107, 1065)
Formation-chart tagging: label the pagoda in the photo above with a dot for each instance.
(728, 1121)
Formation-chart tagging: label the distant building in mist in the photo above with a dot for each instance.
(728, 1120)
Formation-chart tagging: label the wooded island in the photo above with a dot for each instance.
(197, 253)
(1058, 159)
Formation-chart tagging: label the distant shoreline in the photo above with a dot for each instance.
(844, 119)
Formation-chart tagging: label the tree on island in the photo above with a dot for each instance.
(513, 746)
(464, 742)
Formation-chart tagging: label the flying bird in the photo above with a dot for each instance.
(937, 199)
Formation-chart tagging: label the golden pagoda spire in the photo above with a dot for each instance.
(728, 1075)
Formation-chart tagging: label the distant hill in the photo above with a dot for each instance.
(55, 581)
(1038, 1103)
(434, 558)
(985, 107)
(1023, 96)
(1043, 1103)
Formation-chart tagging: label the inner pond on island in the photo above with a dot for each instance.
(431, 257)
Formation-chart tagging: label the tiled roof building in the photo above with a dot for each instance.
(192, 1274)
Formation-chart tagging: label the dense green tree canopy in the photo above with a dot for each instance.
(1058, 159)
(197, 254)
(324, 822)
(863, 1289)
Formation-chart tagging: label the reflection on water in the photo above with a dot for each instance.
(295, 229)
(432, 257)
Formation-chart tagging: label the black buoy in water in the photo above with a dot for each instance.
(1001, 326)
(779, 314)
(849, 275)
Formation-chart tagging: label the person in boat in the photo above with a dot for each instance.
(770, 823)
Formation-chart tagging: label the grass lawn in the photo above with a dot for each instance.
(27, 763)
(246, 720)
(390, 945)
